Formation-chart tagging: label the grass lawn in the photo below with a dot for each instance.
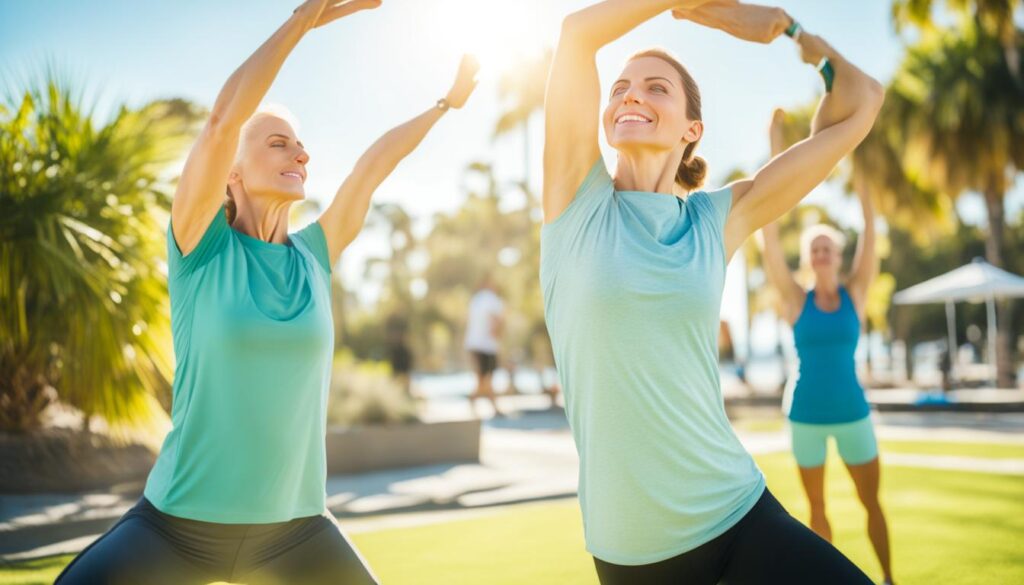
(947, 527)
(981, 450)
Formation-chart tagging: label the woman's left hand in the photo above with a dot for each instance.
(336, 10)
(465, 82)
(749, 22)
(813, 48)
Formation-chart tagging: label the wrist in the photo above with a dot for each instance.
(302, 18)
(828, 73)
(793, 29)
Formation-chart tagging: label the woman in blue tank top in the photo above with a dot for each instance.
(238, 490)
(632, 269)
(827, 400)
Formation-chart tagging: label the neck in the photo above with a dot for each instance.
(651, 171)
(828, 285)
(263, 218)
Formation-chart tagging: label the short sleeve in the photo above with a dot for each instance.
(721, 203)
(575, 224)
(312, 236)
(597, 187)
(214, 240)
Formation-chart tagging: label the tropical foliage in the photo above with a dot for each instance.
(83, 207)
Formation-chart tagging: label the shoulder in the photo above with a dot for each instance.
(313, 239)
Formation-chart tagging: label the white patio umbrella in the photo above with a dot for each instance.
(975, 282)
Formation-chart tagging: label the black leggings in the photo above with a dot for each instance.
(767, 546)
(148, 547)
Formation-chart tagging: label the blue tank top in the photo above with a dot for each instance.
(827, 390)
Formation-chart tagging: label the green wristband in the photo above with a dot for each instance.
(827, 73)
(793, 31)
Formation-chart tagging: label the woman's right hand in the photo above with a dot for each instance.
(694, 4)
(749, 22)
(465, 82)
(321, 12)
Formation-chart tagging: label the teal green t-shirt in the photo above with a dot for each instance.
(253, 342)
(632, 285)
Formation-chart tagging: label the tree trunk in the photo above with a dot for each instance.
(994, 204)
(23, 398)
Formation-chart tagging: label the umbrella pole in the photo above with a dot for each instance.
(951, 324)
(990, 303)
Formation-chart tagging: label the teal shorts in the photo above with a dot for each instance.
(856, 442)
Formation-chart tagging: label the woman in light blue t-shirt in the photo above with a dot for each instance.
(632, 269)
(238, 491)
(827, 400)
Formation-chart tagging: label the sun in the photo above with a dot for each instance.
(499, 35)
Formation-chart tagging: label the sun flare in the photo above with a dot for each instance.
(499, 36)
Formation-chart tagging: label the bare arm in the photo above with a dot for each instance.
(200, 190)
(778, 273)
(344, 218)
(865, 260)
(573, 97)
(498, 325)
(843, 119)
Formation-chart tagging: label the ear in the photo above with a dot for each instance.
(694, 132)
(234, 176)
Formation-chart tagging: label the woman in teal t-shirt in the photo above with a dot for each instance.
(827, 400)
(632, 270)
(238, 490)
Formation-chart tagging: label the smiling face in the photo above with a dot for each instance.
(271, 161)
(825, 255)
(821, 248)
(647, 108)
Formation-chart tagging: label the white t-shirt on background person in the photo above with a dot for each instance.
(484, 308)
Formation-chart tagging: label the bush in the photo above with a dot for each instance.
(365, 393)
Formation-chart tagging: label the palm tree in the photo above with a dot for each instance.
(994, 16)
(961, 115)
(83, 301)
(521, 91)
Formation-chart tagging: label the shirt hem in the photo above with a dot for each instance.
(690, 544)
(220, 518)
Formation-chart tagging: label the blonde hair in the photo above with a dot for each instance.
(269, 109)
(815, 231)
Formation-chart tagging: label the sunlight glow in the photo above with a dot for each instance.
(497, 35)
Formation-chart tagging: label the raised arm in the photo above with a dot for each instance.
(200, 191)
(573, 97)
(843, 119)
(344, 218)
(865, 260)
(775, 267)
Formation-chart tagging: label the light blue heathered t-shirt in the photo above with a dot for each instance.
(253, 342)
(632, 286)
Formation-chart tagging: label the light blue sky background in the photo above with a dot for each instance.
(351, 81)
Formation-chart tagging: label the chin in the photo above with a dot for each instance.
(635, 141)
(293, 193)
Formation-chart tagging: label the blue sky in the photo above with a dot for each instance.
(351, 81)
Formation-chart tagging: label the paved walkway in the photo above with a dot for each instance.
(526, 458)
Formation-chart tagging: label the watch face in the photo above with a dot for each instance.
(442, 104)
